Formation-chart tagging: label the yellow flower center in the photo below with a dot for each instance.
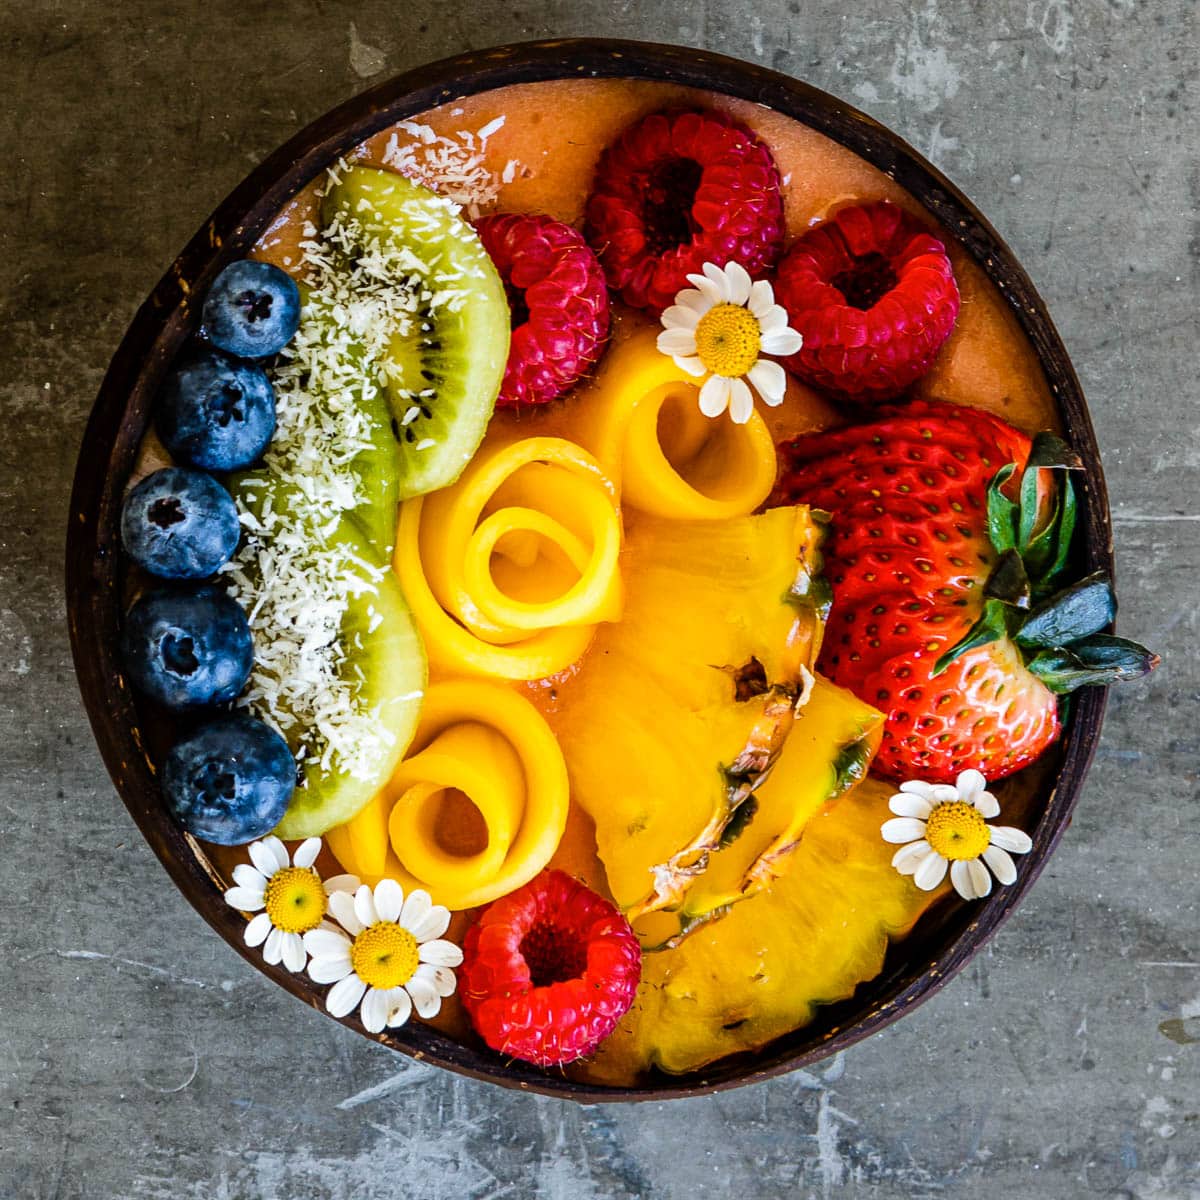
(957, 831)
(295, 899)
(728, 340)
(384, 955)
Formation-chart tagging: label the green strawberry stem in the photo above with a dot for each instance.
(1057, 628)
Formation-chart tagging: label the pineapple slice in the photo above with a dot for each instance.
(820, 930)
(831, 744)
(693, 691)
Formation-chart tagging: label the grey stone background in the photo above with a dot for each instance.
(140, 1058)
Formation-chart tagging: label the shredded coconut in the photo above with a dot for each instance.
(292, 576)
(453, 166)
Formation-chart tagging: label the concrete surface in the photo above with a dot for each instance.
(140, 1058)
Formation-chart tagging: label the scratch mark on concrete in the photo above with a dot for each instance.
(409, 1077)
(95, 955)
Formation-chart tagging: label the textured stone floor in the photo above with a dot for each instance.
(140, 1058)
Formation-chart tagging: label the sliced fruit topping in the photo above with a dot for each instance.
(873, 295)
(559, 303)
(693, 692)
(548, 971)
(477, 807)
(229, 781)
(677, 190)
(950, 544)
(179, 524)
(216, 413)
(339, 667)
(427, 302)
(251, 310)
(187, 648)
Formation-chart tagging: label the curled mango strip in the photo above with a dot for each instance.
(645, 426)
(509, 570)
(479, 745)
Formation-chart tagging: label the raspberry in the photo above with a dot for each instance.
(549, 970)
(559, 305)
(873, 295)
(677, 190)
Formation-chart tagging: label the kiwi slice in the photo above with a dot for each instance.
(448, 367)
(384, 655)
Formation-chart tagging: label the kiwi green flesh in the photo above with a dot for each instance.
(391, 659)
(457, 356)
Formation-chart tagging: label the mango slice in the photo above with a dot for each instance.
(644, 424)
(509, 571)
(763, 969)
(481, 745)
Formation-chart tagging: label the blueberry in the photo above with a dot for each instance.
(217, 414)
(252, 309)
(179, 524)
(230, 781)
(188, 648)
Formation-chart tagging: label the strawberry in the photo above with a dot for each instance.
(948, 545)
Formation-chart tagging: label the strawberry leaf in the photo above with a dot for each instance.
(1001, 511)
(1063, 538)
(1009, 581)
(1048, 453)
(1095, 662)
(1076, 612)
(991, 626)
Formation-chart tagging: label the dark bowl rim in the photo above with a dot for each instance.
(120, 414)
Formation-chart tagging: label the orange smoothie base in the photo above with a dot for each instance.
(548, 144)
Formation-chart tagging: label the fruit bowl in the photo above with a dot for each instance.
(949, 936)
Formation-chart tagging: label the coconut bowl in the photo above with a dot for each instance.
(950, 934)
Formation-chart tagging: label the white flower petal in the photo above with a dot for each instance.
(770, 379)
(908, 858)
(306, 852)
(341, 906)
(417, 906)
(988, 805)
(694, 300)
(264, 857)
(930, 871)
(344, 996)
(719, 276)
(738, 282)
(432, 925)
(713, 293)
(943, 793)
(916, 788)
(389, 899)
(245, 899)
(693, 366)
(341, 883)
(782, 341)
(273, 947)
(762, 300)
(1016, 841)
(969, 784)
(681, 317)
(374, 1012)
(246, 876)
(327, 943)
(902, 829)
(330, 968)
(905, 804)
(741, 401)
(772, 319)
(294, 957)
(440, 953)
(424, 996)
(399, 1007)
(443, 978)
(257, 930)
(364, 907)
(964, 881)
(714, 396)
(1001, 863)
(676, 341)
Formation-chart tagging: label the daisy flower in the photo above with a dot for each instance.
(391, 957)
(718, 328)
(946, 825)
(288, 896)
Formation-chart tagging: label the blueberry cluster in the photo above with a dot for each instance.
(186, 643)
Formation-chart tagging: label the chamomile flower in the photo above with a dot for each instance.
(287, 894)
(719, 327)
(390, 959)
(945, 825)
